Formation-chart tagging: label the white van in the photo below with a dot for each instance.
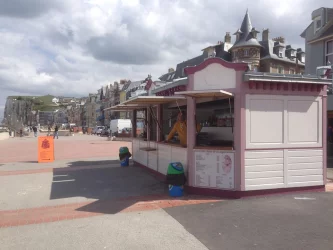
(117, 126)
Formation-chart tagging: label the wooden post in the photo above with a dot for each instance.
(159, 129)
(191, 138)
(148, 118)
(134, 120)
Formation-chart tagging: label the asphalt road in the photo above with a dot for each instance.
(299, 221)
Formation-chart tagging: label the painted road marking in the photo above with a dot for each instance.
(69, 180)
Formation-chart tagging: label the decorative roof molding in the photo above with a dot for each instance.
(271, 77)
(175, 83)
(209, 61)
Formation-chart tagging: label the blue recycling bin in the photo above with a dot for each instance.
(124, 162)
(176, 191)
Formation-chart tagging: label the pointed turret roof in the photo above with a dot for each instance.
(246, 33)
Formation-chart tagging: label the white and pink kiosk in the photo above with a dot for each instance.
(261, 133)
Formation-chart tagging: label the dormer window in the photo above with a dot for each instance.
(183, 72)
(280, 52)
(329, 53)
(278, 49)
(280, 70)
(254, 33)
(238, 34)
(317, 23)
(303, 58)
(292, 53)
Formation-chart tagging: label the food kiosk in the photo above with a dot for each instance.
(267, 133)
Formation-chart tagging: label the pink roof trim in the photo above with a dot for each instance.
(201, 66)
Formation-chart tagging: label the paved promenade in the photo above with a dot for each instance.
(84, 200)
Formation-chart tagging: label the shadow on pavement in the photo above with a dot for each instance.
(115, 188)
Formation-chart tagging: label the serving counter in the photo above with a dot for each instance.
(159, 156)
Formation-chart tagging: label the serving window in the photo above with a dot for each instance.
(216, 119)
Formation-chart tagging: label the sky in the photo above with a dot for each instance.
(73, 47)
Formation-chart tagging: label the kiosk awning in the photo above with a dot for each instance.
(206, 93)
(143, 102)
(152, 100)
(121, 107)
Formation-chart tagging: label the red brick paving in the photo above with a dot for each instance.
(81, 210)
(20, 150)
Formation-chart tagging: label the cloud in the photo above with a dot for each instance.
(73, 47)
(28, 8)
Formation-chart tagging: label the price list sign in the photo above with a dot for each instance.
(214, 169)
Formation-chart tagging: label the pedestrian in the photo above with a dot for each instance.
(35, 130)
(56, 132)
(21, 132)
(48, 130)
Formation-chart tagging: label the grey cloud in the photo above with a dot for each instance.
(123, 51)
(61, 35)
(28, 8)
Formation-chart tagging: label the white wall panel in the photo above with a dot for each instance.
(305, 167)
(164, 158)
(283, 168)
(264, 169)
(266, 119)
(179, 155)
(140, 155)
(276, 121)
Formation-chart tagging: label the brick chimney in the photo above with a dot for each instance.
(227, 38)
(279, 39)
(170, 70)
(265, 35)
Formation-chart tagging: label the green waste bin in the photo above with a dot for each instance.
(176, 179)
(124, 156)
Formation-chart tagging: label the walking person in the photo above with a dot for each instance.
(48, 130)
(35, 130)
(56, 132)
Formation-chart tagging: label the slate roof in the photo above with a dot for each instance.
(246, 34)
(133, 86)
(125, 86)
(267, 52)
(221, 52)
(167, 76)
(178, 82)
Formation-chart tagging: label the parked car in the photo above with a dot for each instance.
(105, 131)
(97, 130)
(126, 131)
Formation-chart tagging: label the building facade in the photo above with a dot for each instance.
(265, 55)
(319, 40)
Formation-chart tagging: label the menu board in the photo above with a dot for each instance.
(214, 169)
